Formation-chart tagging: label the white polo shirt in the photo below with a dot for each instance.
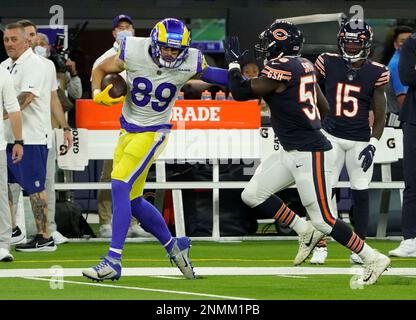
(8, 101)
(51, 84)
(109, 53)
(28, 73)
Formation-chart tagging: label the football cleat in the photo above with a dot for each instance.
(180, 256)
(108, 269)
(355, 258)
(307, 241)
(373, 269)
(319, 255)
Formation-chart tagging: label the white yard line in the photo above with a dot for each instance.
(140, 289)
(208, 271)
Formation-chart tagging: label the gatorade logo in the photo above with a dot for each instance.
(196, 114)
(63, 150)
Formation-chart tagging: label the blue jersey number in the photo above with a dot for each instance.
(142, 88)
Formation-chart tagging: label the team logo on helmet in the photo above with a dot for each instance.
(282, 38)
(280, 34)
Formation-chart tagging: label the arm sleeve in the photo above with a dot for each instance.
(10, 102)
(240, 87)
(216, 76)
(407, 61)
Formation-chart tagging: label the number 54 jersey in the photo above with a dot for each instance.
(294, 114)
(350, 94)
(152, 90)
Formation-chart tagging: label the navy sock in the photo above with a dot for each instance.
(343, 234)
(360, 212)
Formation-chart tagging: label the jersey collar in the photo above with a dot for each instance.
(26, 55)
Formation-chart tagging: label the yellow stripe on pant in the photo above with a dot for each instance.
(134, 154)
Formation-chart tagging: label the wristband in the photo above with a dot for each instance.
(67, 129)
(234, 65)
(19, 142)
(373, 141)
(95, 92)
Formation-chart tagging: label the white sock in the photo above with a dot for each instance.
(367, 253)
(299, 225)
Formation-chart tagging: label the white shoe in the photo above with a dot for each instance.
(105, 231)
(137, 231)
(355, 258)
(319, 255)
(5, 255)
(406, 249)
(373, 269)
(307, 241)
(58, 238)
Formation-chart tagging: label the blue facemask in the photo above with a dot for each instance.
(121, 35)
(43, 52)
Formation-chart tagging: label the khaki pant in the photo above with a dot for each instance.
(104, 196)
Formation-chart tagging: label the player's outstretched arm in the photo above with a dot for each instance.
(110, 65)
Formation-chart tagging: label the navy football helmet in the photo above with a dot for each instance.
(354, 40)
(282, 38)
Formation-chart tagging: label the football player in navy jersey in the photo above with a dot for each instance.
(354, 85)
(288, 85)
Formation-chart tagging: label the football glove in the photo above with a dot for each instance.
(368, 154)
(232, 50)
(104, 98)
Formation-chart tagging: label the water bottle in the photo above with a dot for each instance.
(220, 95)
(180, 95)
(230, 96)
(206, 95)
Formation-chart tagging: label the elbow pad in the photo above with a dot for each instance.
(240, 87)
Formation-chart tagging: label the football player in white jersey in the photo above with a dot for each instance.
(123, 27)
(157, 67)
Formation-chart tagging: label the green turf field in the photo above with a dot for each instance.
(254, 258)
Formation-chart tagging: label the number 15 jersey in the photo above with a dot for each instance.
(350, 93)
(152, 90)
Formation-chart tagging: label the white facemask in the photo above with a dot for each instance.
(43, 52)
(121, 35)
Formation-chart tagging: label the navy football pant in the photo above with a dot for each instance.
(409, 171)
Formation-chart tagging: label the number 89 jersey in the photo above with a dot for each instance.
(152, 90)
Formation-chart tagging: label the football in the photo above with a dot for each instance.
(119, 85)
